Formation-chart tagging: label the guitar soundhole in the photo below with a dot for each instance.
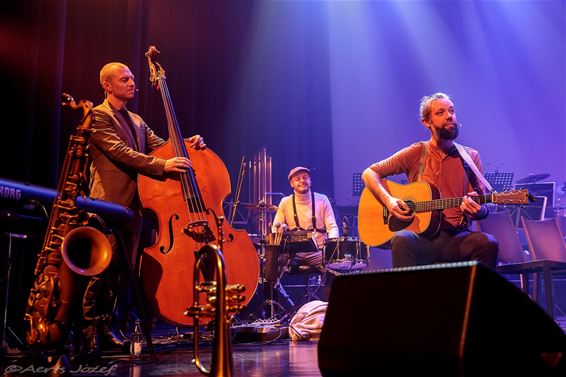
(396, 224)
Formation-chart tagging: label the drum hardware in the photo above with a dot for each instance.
(267, 247)
(271, 276)
(345, 254)
(236, 201)
(278, 251)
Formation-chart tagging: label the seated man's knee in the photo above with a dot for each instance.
(487, 241)
(403, 246)
(487, 248)
(404, 237)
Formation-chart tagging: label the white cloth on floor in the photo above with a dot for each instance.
(307, 323)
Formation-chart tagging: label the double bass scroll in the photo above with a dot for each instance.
(186, 206)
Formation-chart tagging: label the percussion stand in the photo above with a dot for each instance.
(271, 262)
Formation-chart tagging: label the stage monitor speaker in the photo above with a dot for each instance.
(458, 319)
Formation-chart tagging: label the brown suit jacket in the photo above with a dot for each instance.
(118, 156)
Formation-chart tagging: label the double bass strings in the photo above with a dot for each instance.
(191, 192)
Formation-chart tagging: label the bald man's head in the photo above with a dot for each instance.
(108, 71)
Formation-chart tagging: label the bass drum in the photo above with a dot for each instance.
(345, 254)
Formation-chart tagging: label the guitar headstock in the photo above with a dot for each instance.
(156, 71)
(521, 196)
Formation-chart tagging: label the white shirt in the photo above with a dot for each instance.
(323, 213)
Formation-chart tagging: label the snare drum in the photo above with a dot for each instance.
(345, 253)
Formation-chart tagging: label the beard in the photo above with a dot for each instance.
(447, 134)
(302, 190)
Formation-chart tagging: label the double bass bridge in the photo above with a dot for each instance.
(199, 231)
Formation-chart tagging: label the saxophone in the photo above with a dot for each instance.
(69, 248)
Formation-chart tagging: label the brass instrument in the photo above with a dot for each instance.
(222, 300)
(83, 250)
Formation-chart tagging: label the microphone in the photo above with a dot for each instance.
(137, 90)
(345, 226)
(459, 125)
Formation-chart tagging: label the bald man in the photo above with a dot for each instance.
(119, 146)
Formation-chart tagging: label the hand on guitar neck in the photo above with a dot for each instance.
(401, 210)
(469, 206)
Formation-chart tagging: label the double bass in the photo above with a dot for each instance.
(187, 207)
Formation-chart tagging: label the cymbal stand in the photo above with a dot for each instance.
(236, 202)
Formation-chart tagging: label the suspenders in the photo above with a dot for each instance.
(296, 217)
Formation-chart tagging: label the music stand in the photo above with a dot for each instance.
(299, 241)
(499, 181)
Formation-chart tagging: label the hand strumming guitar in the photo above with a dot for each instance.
(399, 208)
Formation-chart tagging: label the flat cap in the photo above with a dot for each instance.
(297, 170)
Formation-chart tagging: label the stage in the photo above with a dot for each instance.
(276, 358)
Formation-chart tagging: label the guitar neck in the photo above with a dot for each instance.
(440, 204)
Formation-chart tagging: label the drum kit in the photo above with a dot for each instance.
(342, 254)
(276, 250)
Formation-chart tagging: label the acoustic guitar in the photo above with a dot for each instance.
(376, 225)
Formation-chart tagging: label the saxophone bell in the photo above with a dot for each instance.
(86, 251)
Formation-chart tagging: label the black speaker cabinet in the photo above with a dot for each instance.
(458, 319)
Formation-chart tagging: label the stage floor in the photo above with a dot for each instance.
(272, 355)
(277, 358)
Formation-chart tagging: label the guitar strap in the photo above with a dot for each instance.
(422, 161)
(472, 165)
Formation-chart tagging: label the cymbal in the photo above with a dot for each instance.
(533, 178)
(259, 206)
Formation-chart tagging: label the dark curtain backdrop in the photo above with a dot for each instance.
(237, 81)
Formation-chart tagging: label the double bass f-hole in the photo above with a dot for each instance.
(162, 248)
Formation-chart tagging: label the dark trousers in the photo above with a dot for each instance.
(102, 291)
(410, 249)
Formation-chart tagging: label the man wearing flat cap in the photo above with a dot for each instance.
(308, 211)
